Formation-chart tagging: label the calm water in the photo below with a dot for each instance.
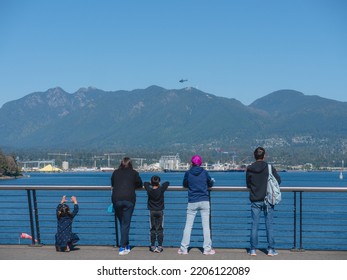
(325, 214)
(289, 179)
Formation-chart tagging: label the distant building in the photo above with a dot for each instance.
(65, 165)
(170, 162)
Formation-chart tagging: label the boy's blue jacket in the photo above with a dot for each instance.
(197, 180)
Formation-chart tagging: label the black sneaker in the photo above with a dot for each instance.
(152, 249)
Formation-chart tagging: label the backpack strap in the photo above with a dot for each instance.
(270, 169)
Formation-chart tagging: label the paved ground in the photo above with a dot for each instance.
(25, 252)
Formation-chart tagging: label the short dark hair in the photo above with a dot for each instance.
(155, 180)
(259, 153)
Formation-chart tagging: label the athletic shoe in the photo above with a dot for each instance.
(181, 252)
(252, 252)
(211, 252)
(159, 249)
(123, 251)
(272, 252)
(152, 249)
(127, 248)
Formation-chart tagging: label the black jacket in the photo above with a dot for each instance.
(124, 181)
(256, 179)
(156, 196)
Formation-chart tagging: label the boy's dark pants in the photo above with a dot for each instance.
(157, 230)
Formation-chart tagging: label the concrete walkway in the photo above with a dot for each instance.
(26, 252)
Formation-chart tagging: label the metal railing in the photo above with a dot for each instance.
(306, 218)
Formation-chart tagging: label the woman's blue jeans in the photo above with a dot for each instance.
(124, 212)
(268, 210)
(192, 209)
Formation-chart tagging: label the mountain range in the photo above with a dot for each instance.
(286, 121)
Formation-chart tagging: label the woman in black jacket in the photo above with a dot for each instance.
(124, 181)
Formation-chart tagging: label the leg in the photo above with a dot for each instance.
(152, 229)
(268, 214)
(205, 219)
(255, 213)
(126, 208)
(160, 228)
(118, 208)
(191, 213)
(127, 215)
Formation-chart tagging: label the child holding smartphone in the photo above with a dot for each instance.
(65, 238)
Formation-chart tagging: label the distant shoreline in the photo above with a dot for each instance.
(10, 177)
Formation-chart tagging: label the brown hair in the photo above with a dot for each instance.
(125, 163)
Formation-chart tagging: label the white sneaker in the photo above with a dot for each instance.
(181, 252)
(211, 252)
(252, 252)
(123, 251)
(272, 252)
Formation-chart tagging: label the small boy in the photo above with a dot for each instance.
(155, 205)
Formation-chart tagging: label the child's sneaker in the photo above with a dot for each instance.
(127, 248)
(181, 252)
(159, 249)
(210, 252)
(123, 251)
(152, 249)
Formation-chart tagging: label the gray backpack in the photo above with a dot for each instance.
(273, 193)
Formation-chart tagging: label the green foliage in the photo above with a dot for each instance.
(8, 166)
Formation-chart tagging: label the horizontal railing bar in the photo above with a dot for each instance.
(172, 188)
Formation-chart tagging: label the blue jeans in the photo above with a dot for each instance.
(257, 208)
(192, 209)
(124, 212)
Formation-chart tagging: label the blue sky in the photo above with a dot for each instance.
(242, 49)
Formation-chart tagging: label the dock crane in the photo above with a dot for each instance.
(140, 159)
(59, 154)
(97, 157)
(109, 157)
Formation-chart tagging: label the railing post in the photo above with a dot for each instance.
(301, 248)
(31, 218)
(294, 230)
(36, 218)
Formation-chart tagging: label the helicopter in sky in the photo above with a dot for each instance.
(183, 80)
